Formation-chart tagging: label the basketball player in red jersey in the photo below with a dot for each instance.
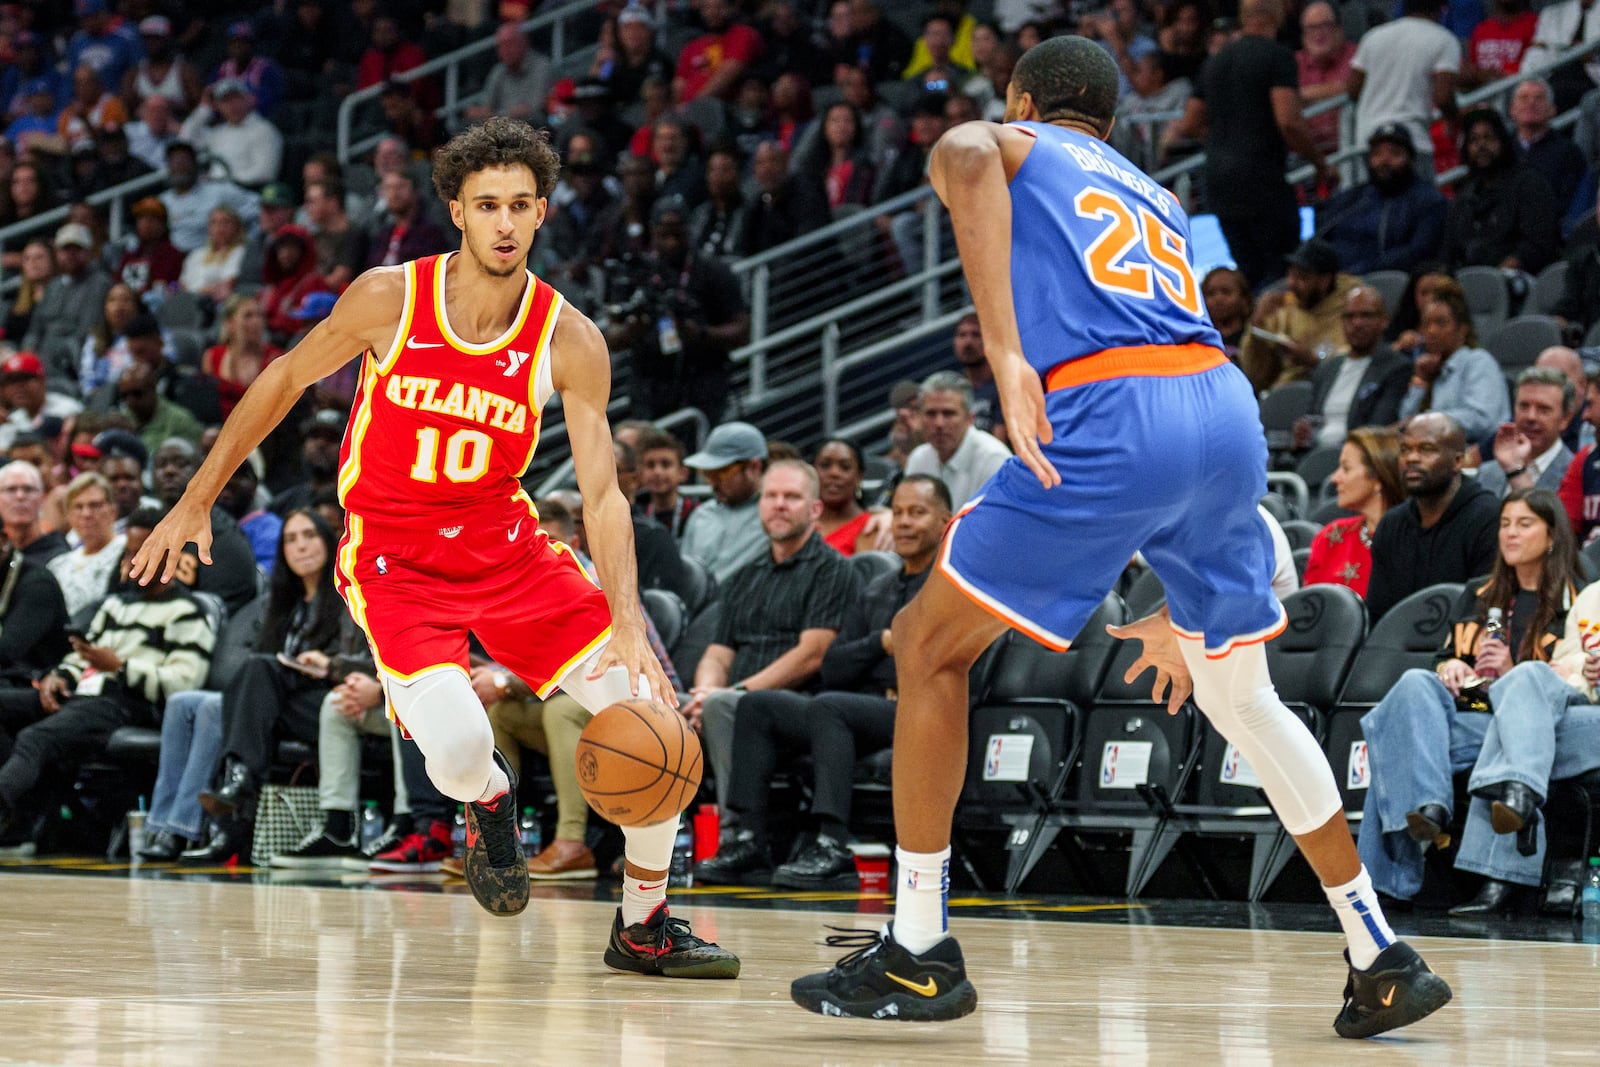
(458, 355)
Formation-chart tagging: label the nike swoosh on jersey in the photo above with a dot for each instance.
(511, 534)
(412, 342)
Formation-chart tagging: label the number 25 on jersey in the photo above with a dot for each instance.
(1136, 251)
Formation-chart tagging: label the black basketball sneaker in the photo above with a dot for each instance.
(496, 868)
(1397, 990)
(666, 947)
(882, 980)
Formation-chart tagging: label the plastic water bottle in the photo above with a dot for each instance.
(371, 825)
(682, 873)
(1591, 894)
(458, 831)
(528, 829)
(1493, 630)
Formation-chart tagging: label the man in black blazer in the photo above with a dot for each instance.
(1363, 386)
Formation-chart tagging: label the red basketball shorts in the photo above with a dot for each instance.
(417, 593)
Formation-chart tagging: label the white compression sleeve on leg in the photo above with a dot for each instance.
(446, 719)
(1237, 695)
(604, 691)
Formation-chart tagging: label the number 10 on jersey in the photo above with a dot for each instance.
(1114, 258)
(466, 455)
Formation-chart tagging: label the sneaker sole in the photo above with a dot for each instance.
(402, 868)
(1426, 994)
(585, 875)
(319, 863)
(959, 1001)
(720, 968)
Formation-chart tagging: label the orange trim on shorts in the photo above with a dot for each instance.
(1137, 361)
(1235, 643)
(972, 593)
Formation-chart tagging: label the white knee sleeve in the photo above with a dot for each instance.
(446, 719)
(604, 691)
(1237, 695)
(650, 847)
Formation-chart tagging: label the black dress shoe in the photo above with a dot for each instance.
(1516, 806)
(1495, 898)
(222, 847)
(235, 788)
(1429, 825)
(164, 847)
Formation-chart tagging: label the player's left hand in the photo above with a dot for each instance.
(1027, 424)
(1173, 684)
(630, 649)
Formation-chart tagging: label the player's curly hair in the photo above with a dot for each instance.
(495, 142)
(1070, 78)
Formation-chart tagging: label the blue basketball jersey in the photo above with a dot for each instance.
(1099, 254)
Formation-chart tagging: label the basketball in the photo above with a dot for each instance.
(639, 763)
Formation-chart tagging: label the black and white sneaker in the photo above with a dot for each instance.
(317, 852)
(881, 979)
(1397, 990)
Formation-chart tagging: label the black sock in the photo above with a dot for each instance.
(828, 826)
(339, 825)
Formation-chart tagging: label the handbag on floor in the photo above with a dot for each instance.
(285, 814)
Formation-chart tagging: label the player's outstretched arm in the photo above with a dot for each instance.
(970, 169)
(365, 317)
(580, 370)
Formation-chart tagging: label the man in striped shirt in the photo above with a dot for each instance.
(144, 644)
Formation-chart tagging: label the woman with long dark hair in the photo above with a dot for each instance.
(1433, 723)
(839, 159)
(302, 622)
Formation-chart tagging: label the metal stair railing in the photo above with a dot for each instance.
(47, 223)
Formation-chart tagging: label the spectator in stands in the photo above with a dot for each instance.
(71, 307)
(940, 73)
(341, 247)
(155, 129)
(725, 533)
(712, 65)
(261, 75)
(518, 83)
(320, 437)
(595, 114)
(28, 398)
(791, 110)
(163, 72)
(571, 235)
(307, 51)
(1367, 481)
(780, 612)
(790, 45)
(291, 273)
(679, 169)
(1426, 726)
(845, 522)
(213, 270)
(1546, 150)
(122, 462)
(957, 453)
(632, 58)
(1504, 213)
(102, 43)
(716, 225)
(967, 346)
(191, 198)
(244, 147)
(33, 620)
(907, 170)
(1452, 374)
(1580, 489)
(1248, 104)
(1498, 43)
(1364, 385)
(1226, 293)
(145, 643)
(85, 573)
(987, 88)
(231, 576)
(155, 418)
(853, 716)
(1308, 315)
(154, 262)
(32, 59)
(105, 352)
(839, 159)
(658, 563)
(1445, 531)
(1395, 220)
(884, 132)
(244, 350)
(37, 126)
(412, 234)
(389, 54)
(785, 205)
(1324, 66)
(274, 211)
(27, 195)
(905, 432)
(661, 473)
(1151, 93)
(325, 167)
(1401, 72)
(1577, 431)
(93, 106)
(403, 117)
(262, 528)
(37, 266)
(1559, 27)
(21, 500)
(1529, 452)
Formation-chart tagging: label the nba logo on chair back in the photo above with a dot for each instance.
(1236, 770)
(1357, 775)
(1125, 764)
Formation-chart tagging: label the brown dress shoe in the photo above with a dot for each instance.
(454, 867)
(563, 861)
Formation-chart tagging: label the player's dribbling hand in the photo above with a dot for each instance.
(158, 557)
(1027, 423)
(1173, 685)
(630, 650)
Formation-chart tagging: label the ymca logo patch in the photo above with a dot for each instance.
(517, 359)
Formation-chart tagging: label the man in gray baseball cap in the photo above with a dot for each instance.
(725, 533)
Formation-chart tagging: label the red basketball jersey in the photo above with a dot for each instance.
(442, 429)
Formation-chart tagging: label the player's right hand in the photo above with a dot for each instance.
(158, 557)
(1027, 423)
(1173, 683)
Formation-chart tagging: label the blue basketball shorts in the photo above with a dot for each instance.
(1160, 450)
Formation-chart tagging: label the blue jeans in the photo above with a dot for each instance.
(1415, 741)
(191, 745)
(1541, 730)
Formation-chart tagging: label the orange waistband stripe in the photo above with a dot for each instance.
(1137, 361)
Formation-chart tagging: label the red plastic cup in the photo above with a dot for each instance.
(707, 831)
(872, 868)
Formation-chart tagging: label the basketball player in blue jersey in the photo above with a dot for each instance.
(1132, 432)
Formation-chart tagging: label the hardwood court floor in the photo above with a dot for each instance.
(168, 973)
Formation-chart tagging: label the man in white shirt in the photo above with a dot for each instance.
(1402, 70)
(1529, 452)
(1561, 26)
(157, 127)
(191, 199)
(956, 452)
(249, 147)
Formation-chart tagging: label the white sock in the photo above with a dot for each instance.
(922, 899)
(1356, 904)
(648, 848)
(498, 785)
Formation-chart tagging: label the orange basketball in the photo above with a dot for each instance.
(639, 763)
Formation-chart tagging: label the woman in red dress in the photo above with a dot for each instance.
(844, 520)
(1368, 482)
